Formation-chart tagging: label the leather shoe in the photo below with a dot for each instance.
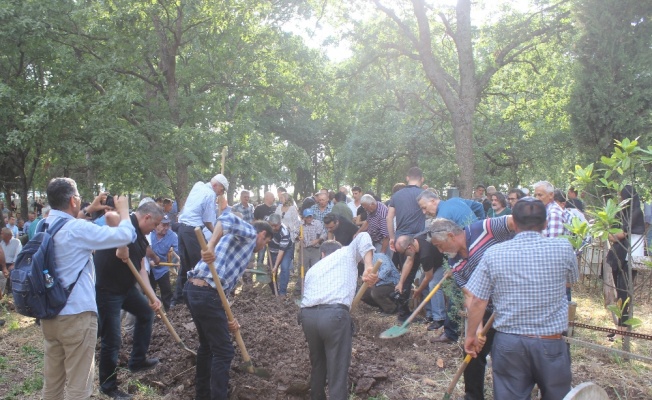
(441, 339)
(435, 325)
(117, 394)
(145, 365)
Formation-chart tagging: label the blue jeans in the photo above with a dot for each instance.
(286, 264)
(215, 351)
(109, 327)
(437, 303)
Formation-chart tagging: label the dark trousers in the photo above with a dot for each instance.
(474, 372)
(329, 332)
(109, 327)
(378, 296)
(189, 255)
(404, 307)
(215, 351)
(451, 323)
(166, 288)
(520, 362)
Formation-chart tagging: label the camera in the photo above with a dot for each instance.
(109, 201)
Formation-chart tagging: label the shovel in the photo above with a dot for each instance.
(152, 298)
(247, 365)
(396, 330)
(467, 360)
(303, 271)
(364, 286)
(269, 264)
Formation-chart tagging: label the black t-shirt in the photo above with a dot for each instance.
(362, 213)
(113, 275)
(345, 231)
(428, 256)
(263, 211)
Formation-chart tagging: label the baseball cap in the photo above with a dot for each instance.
(166, 219)
(308, 213)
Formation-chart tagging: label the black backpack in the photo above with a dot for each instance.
(31, 296)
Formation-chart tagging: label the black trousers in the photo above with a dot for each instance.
(474, 372)
(189, 255)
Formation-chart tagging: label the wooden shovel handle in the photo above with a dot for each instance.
(364, 286)
(225, 302)
(428, 297)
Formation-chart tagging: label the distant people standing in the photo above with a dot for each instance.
(572, 198)
(244, 207)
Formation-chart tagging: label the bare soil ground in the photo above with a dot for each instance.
(409, 367)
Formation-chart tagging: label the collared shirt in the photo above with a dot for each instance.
(73, 246)
(377, 223)
(333, 279)
(200, 206)
(11, 249)
(161, 246)
(526, 279)
(233, 253)
(13, 229)
(555, 226)
(480, 236)
(281, 240)
(319, 214)
(313, 231)
(246, 211)
(459, 210)
(387, 274)
(353, 207)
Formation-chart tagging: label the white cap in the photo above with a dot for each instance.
(222, 180)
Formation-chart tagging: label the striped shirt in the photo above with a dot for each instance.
(480, 236)
(377, 223)
(333, 279)
(281, 240)
(232, 253)
(526, 279)
(200, 206)
(319, 214)
(313, 231)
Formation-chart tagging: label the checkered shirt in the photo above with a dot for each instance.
(526, 279)
(333, 279)
(246, 211)
(319, 214)
(313, 231)
(232, 253)
(555, 226)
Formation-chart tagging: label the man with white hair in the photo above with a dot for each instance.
(199, 211)
(376, 224)
(544, 191)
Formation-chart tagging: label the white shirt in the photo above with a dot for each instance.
(200, 206)
(11, 250)
(353, 207)
(333, 279)
(73, 245)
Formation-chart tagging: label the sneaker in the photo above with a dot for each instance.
(117, 394)
(435, 325)
(145, 365)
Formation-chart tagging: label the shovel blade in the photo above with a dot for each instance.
(261, 372)
(264, 279)
(394, 332)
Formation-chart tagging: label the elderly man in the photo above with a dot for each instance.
(376, 224)
(11, 247)
(115, 291)
(281, 250)
(69, 361)
(545, 192)
(199, 211)
(462, 211)
(231, 246)
(531, 311)
(162, 239)
(465, 247)
(416, 251)
(325, 318)
(244, 207)
(379, 295)
(322, 207)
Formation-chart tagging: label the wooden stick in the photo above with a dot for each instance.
(364, 286)
(271, 270)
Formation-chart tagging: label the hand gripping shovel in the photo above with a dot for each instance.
(247, 365)
(152, 298)
(396, 331)
(467, 360)
(364, 286)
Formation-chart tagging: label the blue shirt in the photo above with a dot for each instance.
(246, 211)
(526, 278)
(73, 246)
(200, 206)
(233, 252)
(161, 247)
(387, 274)
(458, 210)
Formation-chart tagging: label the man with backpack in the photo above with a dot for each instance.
(70, 337)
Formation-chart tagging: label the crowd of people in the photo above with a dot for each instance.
(504, 250)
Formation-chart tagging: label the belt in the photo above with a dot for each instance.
(326, 306)
(547, 337)
(198, 282)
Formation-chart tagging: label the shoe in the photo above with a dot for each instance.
(429, 320)
(435, 325)
(2, 322)
(117, 394)
(441, 339)
(145, 365)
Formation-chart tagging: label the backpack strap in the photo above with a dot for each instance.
(52, 230)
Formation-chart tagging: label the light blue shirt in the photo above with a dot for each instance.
(200, 206)
(73, 245)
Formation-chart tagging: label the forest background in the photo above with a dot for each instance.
(141, 97)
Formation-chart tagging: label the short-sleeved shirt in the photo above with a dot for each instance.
(280, 240)
(200, 206)
(246, 211)
(263, 211)
(526, 279)
(161, 246)
(377, 223)
(318, 214)
(428, 256)
(409, 217)
(480, 236)
(457, 210)
(388, 274)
